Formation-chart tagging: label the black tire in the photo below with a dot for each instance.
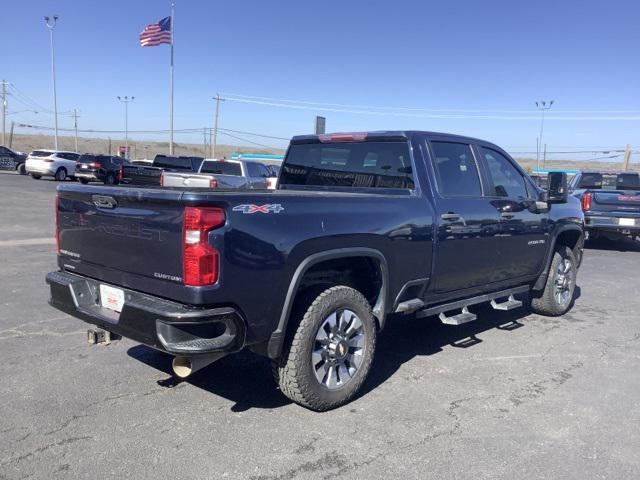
(36, 177)
(61, 174)
(21, 169)
(550, 302)
(294, 370)
(84, 181)
(110, 179)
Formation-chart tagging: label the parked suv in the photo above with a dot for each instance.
(51, 163)
(10, 160)
(101, 168)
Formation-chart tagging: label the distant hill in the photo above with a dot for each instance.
(139, 149)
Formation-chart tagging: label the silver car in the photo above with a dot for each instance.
(51, 163)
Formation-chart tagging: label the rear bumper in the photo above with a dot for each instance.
(156, 322)
(618, 223)
(87, 175)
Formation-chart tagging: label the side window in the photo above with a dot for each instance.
(456, 170)
(4, 151)
(507, 180)
(264, 171)
(253, 169)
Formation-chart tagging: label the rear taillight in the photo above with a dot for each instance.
(96, 165)
(57, 217)
(120, 174)
(213, 183)
(200, 261)
(586, 202)
(162, 179)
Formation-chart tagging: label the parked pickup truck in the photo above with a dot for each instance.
(611, 203)
(220, 174)
(151, 174)
(360, 227)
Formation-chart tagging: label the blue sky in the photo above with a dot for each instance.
(455, 55)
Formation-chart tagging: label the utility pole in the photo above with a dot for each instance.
(51, 26)
(11, 134)
(544, 156)
(543, 106)
(75, 125)
(4, 110)
(126, 100)
(627, 157)
(214, 140)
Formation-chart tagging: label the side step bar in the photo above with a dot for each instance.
(463, 317)
(466, 316)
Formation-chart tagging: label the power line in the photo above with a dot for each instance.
(411, 109)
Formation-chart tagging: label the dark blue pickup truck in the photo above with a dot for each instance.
(611, 203)
(361, 226)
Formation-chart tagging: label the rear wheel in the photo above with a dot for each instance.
(557, 296)
(61, 174)
(21, 169)
(37, 177)
(330, 354)
(110, 179)
(84, 181)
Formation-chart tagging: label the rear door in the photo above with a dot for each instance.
(468, 224)
(524, 236)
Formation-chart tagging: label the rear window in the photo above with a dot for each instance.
(87, 159)
(600, 181)
(366, 164)
(222, 168)
(40, 153)
(173, 162)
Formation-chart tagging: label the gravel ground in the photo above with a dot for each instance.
(512, 395)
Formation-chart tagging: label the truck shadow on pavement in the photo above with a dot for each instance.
(246, 379)
(604, 244)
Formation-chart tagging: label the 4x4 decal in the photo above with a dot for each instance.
(268, 208)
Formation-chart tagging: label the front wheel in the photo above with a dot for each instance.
(557, 296)
(329, 356)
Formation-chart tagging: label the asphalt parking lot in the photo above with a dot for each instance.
(512, 395)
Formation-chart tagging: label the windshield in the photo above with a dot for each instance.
(349, 164)
(222, 168)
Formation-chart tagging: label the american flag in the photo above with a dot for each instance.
(156, 33)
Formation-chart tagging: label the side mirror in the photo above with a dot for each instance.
(557, 190)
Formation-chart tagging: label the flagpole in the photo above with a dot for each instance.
(171, 83)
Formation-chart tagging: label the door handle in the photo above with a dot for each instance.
(507, 215)
(451, 217)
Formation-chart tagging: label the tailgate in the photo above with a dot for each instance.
(134, 230)
(616, 201)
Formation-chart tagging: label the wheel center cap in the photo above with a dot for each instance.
(339, 349)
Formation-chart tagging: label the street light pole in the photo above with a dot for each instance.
(51, 25)
(126, 100)
(543, 106)
(75, 125)
(4, 109)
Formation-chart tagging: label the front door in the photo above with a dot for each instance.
(467, 223)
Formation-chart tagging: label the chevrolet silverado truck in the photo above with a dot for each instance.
(221, 174)
(361, 229)
(611, 203)
(137, 174)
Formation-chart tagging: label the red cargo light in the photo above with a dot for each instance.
(343, 137)
(57, 217)
(213, 183)
(586, 202)
(200, 261)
